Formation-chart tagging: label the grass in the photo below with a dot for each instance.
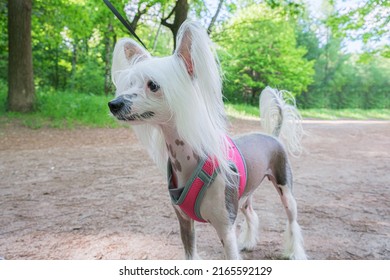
(242, 110)
(354, 114)
(64, 109)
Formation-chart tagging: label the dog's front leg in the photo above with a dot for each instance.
(227, 234)
(187, 233)
(219, 208)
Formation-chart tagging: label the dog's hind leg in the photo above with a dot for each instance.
(293, 236)
(187, 233)
(249, 233)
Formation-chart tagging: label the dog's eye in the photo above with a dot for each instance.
(153, 86)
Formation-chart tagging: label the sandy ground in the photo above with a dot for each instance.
(94, 194)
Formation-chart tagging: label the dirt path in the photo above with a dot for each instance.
(94, 194)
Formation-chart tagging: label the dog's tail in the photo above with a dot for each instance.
(280, 117)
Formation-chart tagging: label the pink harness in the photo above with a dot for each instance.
(189, 197)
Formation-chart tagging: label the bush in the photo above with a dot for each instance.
(64, 109)
(67, 108)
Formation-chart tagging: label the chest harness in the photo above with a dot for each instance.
(189, 197)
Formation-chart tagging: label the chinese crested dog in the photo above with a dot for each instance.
(175, 106)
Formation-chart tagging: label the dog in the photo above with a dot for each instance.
(175, 106)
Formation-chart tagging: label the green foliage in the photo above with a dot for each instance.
(343, 80)
(368, 22)
(64, 109)
(69, 108)
(275, 43)
(89, 78)
(259, 49)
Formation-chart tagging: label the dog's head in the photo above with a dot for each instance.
(138, 96)
(158, 90)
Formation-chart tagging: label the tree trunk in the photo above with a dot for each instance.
(56, 69)
(214, 18)
(181, 11)
(156, 37)
(138, 15)
(74, 63)
(107, 59)
(21, 94)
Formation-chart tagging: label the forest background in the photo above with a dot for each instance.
(329, 54)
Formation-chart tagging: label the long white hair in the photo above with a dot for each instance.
(191, 83)
(281, 118)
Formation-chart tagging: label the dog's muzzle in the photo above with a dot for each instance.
(116, 105)
(120, 107)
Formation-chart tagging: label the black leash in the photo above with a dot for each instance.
(123, 21)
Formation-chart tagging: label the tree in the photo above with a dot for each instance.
(171, 13)
(180, 11)
(21, 93)
(137, 9)
(215, 16)
(367, 22)
(73, 42)
(259, 50)
(342, 79)
(50, 50)
(331, 71)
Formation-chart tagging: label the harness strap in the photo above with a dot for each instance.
(189, 197)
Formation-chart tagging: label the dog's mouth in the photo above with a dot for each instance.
(136, 116)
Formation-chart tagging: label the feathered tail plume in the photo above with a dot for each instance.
(280, 117)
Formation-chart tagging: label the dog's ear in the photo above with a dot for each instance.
(196, 50)
(126, 53)
(183, 49)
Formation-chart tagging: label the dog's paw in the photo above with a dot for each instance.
(194, 256)
(247, 240)
(246, 246)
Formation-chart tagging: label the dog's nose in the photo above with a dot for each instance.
(116, 105)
